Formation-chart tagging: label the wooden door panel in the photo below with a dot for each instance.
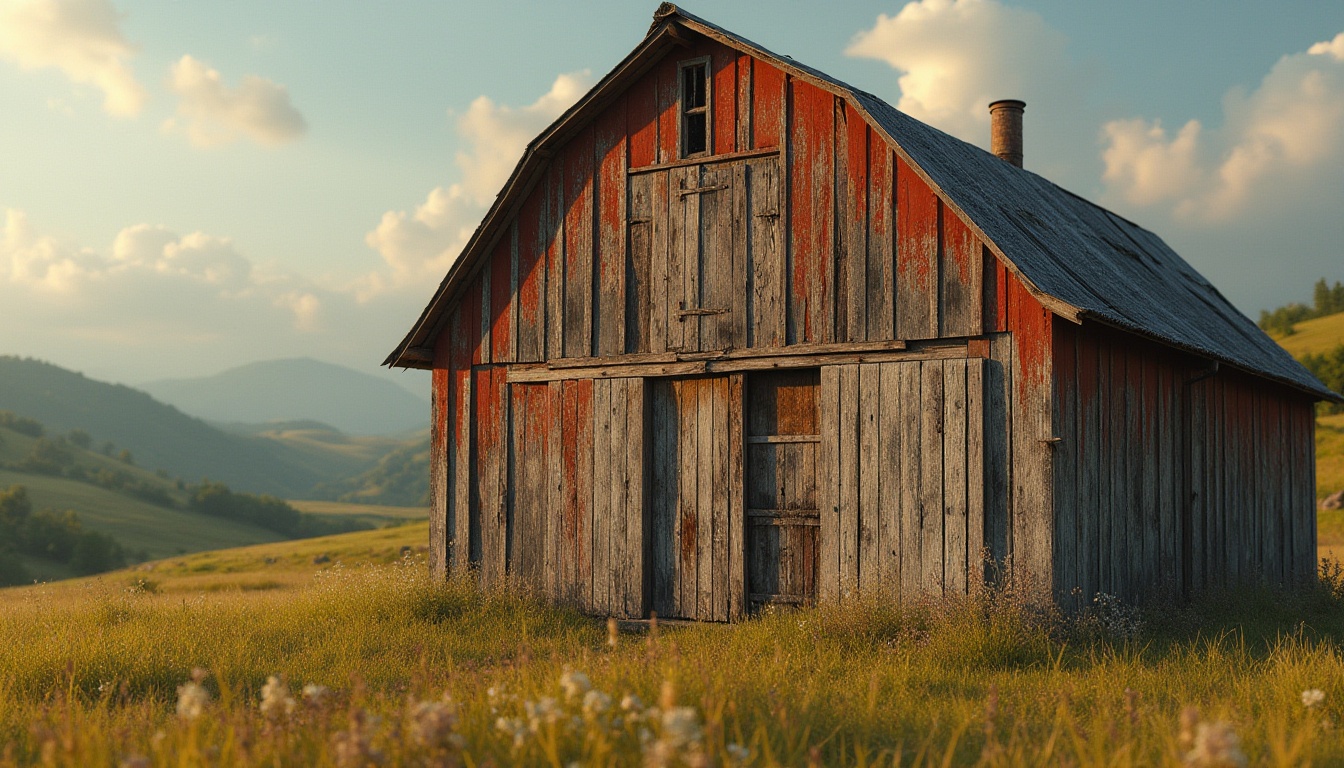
(783, 520)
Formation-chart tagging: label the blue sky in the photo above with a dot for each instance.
(185, 187)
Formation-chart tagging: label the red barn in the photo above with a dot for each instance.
(735, 333)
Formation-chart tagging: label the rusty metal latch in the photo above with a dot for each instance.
(698, 190)
(682, 314)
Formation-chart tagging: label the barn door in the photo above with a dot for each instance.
(700, 265)
(782, 438)
(694, 537)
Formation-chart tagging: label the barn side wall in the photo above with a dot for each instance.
(1173, 477)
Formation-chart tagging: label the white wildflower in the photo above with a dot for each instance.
(433, 724)
(681, 727)
(545, 711)
(631, 703)
(1312, 697)
(316, 695)
(192, 699)
(515, 727)
(575, 684)
(595, 703)
(1216, 745)
(275, 698)
(738, 753)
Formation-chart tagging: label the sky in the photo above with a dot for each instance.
(186, 187)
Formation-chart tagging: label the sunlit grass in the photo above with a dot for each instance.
(90, 674)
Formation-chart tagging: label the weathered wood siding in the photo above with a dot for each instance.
(1173, 477)
(902, 477)
(801, 226)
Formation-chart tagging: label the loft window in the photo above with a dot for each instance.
(694, 107)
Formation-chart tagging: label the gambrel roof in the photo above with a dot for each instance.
(1078, 259)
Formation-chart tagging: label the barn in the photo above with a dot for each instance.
(735, 333)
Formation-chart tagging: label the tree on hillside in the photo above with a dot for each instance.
(14, 508)
(79, 438)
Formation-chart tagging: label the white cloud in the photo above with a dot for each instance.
(418, 247)
(81, 38)
(1281, 142)
(214, 114)
(956, 56)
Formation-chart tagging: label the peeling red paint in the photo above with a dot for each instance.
(767, 94)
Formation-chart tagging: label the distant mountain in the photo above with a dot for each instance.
(297, 389)
(158, 436)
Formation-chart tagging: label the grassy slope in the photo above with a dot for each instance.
(860, 682)
(1315, 336)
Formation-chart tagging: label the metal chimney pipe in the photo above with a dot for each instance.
(1005, 130)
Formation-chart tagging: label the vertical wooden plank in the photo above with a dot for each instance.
(577, 161)
(610, 159)
(811, 315)
(916, 256)
(737, 513)
(1195, 469)
(890, 456)
(1033, 503)
(1068, 504)
(554, 207)
(482, 284)
(683, 257)
(440, 521)
(854, 256)
(869, 476)
(723, 65)
(663, 497)
(1088, 463)
(975, 473)
(739, 286)
(638, 264)
(462, 437)
(583, 490)
(704, 508)
(767, 255)
(881, 245)
(638, 503)
(768, 97)
(955, 506)
(503, 285)
(849, 479)
(553, 519)
(1135, 539)
(642, 120)
(959, 273)
(931, 476)
(531, 300)
(688, 499)
(491, 407)
(668, 117)
(661, 290)
(720, 499)
(1150, 482)
(910, 423)
(1170, 491)
(998, 448)
(719, 262)
(620, 481)
(601, 500)
(828, 486)
(1119, 462)
(744, 101)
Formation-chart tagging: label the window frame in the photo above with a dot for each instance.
(684, 113)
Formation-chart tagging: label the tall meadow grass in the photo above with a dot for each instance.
(399, 670)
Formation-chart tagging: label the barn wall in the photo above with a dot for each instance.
(1167, 482)
(846, 241)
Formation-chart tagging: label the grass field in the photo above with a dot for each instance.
(1315, 336)
(96, 672)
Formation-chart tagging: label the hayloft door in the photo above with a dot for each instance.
(695, 538)
(782, 437)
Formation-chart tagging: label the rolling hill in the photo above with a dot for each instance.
(1315, 336)
(286, 459)
(297, 389)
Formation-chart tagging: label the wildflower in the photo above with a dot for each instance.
(738, 753)
(192, 699)
(275, 698)
(316, 695)
(595, 703)
(354, 746)
(631, 703)
(681, 727)
(545, 711)
(1312, 697)
(515, 727)
(575, 684)
(433, 724)
(1216, 746)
